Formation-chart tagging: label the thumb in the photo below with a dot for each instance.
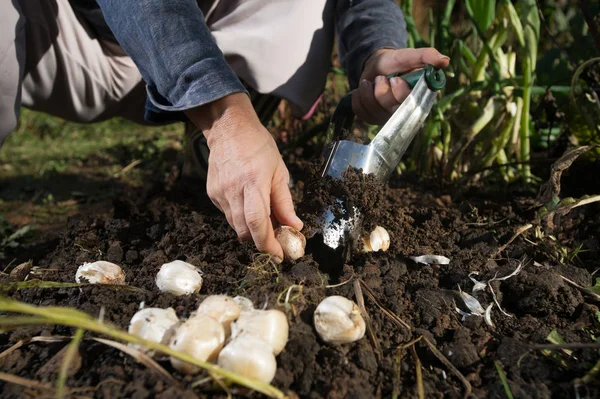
(283, 205)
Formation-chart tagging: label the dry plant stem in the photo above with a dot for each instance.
(75, 318)
(72, 350)
(454, 370)
(575, 345)
(399, 355)
(395, 318)
(419, 372)
(142, 358)
(361, 305)
(580, 288)
(520, 230)
(24, 382)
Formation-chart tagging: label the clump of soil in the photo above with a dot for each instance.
(146, 231)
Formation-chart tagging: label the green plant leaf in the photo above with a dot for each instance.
(513, 17)
(483, 11)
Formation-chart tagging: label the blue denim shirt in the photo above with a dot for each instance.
(183, 67)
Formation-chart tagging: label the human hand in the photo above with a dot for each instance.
(246, 175)
(377, 98)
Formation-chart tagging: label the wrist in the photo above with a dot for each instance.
(222, 115)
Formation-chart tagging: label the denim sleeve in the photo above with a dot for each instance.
(175, 52)
(364, 26)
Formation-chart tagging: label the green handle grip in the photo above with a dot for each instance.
(435, 78)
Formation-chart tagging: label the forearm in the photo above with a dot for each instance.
(174, 51)
(364, 26)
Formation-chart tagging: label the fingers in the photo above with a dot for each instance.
(374, 112)
(283, 205)
(256, 210)
(404, 60)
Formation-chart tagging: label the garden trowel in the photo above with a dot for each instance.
(381, 156)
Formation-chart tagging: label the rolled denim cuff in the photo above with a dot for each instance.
(205, 81)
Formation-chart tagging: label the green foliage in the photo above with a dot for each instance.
(482, 11)
(9, 237)
(487, 119)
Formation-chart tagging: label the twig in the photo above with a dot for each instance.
(11, 349)
(520, 230)
(142, 358)
(340, 284)
(398, 358)
(580, 288)
(72, 351)
(128, 167)
(454, 370)
(386, 311)
(419, 372)
(361, 304)
(24, 382)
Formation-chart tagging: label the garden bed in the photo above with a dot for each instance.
(147, 228)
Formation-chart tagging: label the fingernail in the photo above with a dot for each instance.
(395, 81)
(379, 79)
(276, 259)
(442, 56)
(364, 83)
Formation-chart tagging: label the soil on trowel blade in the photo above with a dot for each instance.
(421, 218)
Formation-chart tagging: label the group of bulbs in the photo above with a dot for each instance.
(225, 330)
(230, 331)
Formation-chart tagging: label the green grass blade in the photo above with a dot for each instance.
(503, 379)
(73, 318)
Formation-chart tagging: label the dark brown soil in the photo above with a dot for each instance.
(466, 226)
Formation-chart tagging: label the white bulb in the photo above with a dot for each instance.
(270, 326)
(244, 303)
(379, 239)
(179, 278)
(250, 357)
(100, 272)
(153, 324)
(292, 242)
(201, 337)
(338, 320)
(222, 308)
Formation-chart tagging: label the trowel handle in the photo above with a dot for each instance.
(435, 78)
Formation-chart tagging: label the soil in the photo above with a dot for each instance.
(151, 227)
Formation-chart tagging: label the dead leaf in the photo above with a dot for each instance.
(551, 189)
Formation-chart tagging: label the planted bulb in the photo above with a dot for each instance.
(270, 326)
(222, 308)
(153, 324)
(179, 278)
(201, 337)
(292, 242)
(250, 357)
(244, 303)
(378, 239)
(338, 320)
(100, 272)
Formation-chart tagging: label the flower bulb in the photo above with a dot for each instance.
(179, 278)
(100, 272)
(338, 320)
